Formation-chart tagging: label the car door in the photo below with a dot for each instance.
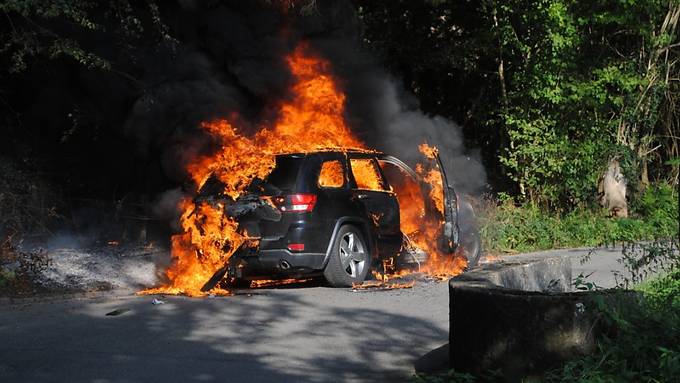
(431, 164)
(372, 193)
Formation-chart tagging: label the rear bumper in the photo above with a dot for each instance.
(276, 263)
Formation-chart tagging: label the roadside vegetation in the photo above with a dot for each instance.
(551, 91)
(508, 227)
(643, 341)
(19, 269)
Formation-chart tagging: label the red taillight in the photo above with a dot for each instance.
(299, 203)
(296, 247)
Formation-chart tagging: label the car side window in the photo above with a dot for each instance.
(332, 174)
(367, 175)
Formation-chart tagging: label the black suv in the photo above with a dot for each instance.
(333, 213)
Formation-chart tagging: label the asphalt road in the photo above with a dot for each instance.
(301, 334)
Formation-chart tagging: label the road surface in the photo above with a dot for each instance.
(302, 334)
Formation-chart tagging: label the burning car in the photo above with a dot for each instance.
(339, 214)
(302, 194)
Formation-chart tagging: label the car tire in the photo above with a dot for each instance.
(471, 245)
(350, 258)
(470, 239)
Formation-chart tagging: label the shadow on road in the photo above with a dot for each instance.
(287, 335)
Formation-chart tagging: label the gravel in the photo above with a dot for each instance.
(110, 267)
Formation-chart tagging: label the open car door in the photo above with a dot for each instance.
(435, 189)
(451, 229)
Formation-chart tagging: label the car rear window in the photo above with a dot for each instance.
(367, 175)
(285, 172)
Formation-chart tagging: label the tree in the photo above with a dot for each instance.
(565, 85)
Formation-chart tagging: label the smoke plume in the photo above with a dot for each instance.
(231, 66)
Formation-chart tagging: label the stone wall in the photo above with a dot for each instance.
(520, 316)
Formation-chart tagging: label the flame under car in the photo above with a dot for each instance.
(340, 214)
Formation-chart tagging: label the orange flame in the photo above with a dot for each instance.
(439, 264)
(311, 120)
(366, 174)
(424, 228)
(332, 174)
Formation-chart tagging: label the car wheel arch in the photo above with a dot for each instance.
(360, 224)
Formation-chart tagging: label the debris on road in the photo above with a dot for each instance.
(269, 283)
(117, 312)
(385, 281)
(157, 301)
(380, 286)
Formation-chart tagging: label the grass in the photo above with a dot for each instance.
(507, 227)
(646, 345)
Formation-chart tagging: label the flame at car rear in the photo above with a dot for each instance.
(208, 240)
(312, 119)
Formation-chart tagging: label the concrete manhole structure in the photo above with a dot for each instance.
(521, 316)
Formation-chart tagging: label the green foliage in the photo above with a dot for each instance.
(507, 227)
(659, 205)
(557, 87)
(644, 341)
(663, 292)
(570, 107)
(38, 29)
(645, 350)
(582, 283)
(30, 38)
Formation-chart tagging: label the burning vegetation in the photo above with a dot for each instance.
(312, 119)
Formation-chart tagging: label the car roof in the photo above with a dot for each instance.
(331, 150)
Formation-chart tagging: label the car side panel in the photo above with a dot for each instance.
(314, 228)
(334, 207)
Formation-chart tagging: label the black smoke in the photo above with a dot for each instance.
(232, 61)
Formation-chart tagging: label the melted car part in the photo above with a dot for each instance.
(252, 207)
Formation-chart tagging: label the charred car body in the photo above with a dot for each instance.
(336, 214)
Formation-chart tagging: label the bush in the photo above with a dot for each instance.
(664, 292)
(507, 227)
(643, 343)
(20, 270)
(658, 204)
(645, 346)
